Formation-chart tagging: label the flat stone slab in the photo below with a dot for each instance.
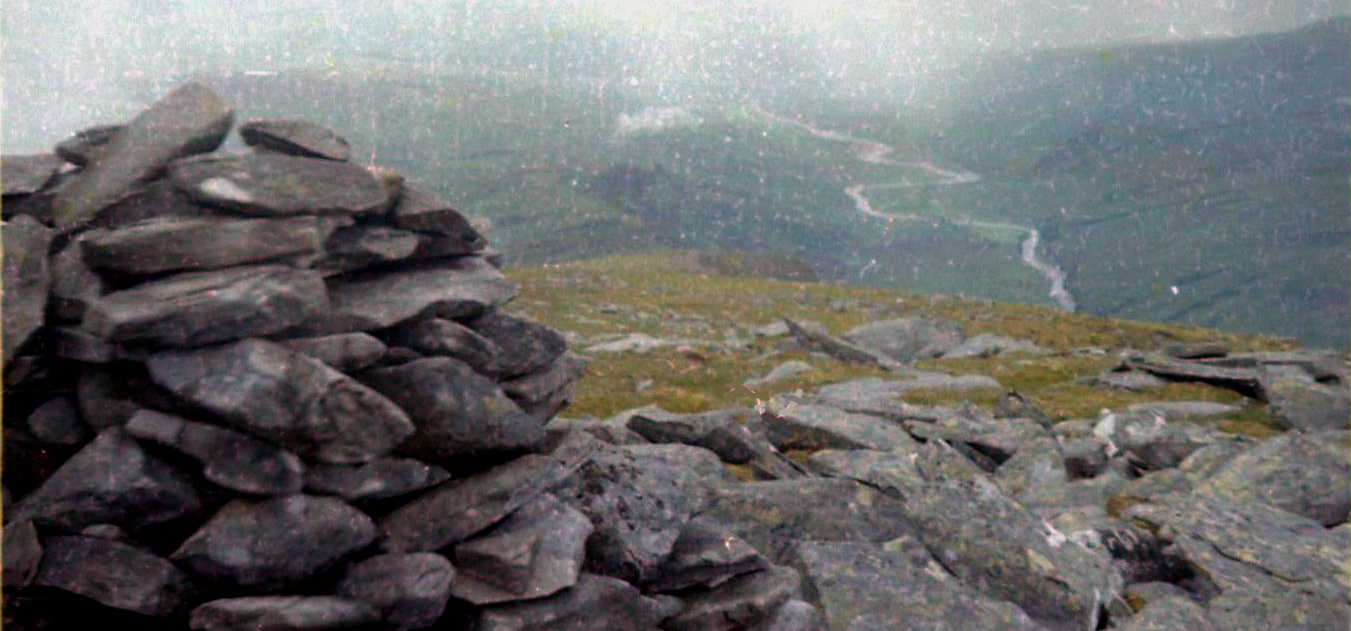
(1309, 407)
(1245, 381)
(289, 399)
(715, 430)
(169, 243)
(705, 555)
(815, 337)
(365, 245)
(535, 552)
(200, 308)
(27, 174)
(523, 347)
(23, 553)
(345, 352)
(1305, 474)
(379, 479)
(229, 458)
(423, 211)
(738, 603)
(907, 339)
(410, 590)
(27, 277)
(986, 345)
(597, 602)
(790, 425)
(85, 146)
(295, 137)
(282, 613)
(189, 119)
(451, 288)
(274, 544)
(272, 184)
(116, 575)
(863, 586)
(74, 286)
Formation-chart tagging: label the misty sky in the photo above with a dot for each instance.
(69, 64)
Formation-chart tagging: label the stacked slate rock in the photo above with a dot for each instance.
(274, 390)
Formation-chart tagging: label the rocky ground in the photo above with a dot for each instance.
(275, 390)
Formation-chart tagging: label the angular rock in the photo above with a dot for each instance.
(817, 338)
(1134, 552)
(294, 401)
(1309, 407)
(716, 430)
(610, 430)
(779, 373)
(110, 481)
(535, 552)
(27, 174)
(907, 339)
(881, 397)
(698, 460)
(277, 185)
(365, 245)
(200, 308)
(22, 553)
(1128, 380)
(1174, 410)
(995, 545)
(421, 210)
(794, 615)
(1171, 614)
(379, 479)
(1206, 461)
(449, 288)
(740, 602)
(638, 507)
(108, 395)
(771, 516)
(295, 137)
(448, 338)
(892, 473)
(409, 590)
(231, 459)
(1149, 440)
(1244, 381)
(282, 613)
(115, 575)
(456, 411)
(57, 422)
(189, 119)
(790, 425)
(74, 286)
(276, 543)
(986, 345)
(27, 277)
(73, 343)
(596, 602)
(1037, 463)
(523, 347)
(1305, 474)
(460, 508)
(169, 243)
(1274, 609)
(85, 146)
(705, 555)
(535, 388)
(346, 352)
(1158, 484)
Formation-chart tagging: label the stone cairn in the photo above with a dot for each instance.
(273, 390)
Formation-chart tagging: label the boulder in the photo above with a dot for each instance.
(275, 543)
(278, 185)
(291, 400)
(535, 552)
(409, 590)
(1245, 381)
(447, 288)
(174, 243)
(115, 575)
(27, 277)
(282, 613)
(1309, 407)
(233, 460)
(295, 137)
(1305, 474)
(790, 425)
(893, 473)
(907, 339)
(523, 347)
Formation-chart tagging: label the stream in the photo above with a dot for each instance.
(873, 152)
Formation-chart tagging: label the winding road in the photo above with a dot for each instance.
(873, 152)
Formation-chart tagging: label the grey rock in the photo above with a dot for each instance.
(274, 544)
(1155, 591)
(863, 587)
(115, 575)
(27, 277)
(157, 198)
(1037, 463)
(986, 345)
(978, 436)
(22, 553)
(85, 146)
(880, 397)
(1309, 407)
(1305, 474)
(282, 613)
(815, 337)
(27, 174)
(1171, 614)
(779, 373)
(231, 459)
(1134, 552)
(73, 343)
(1273, 609)
(907, 339)
(460, 508)
(74, 286)
(448, 338)
(892, 473)
(596, 602)
(1174, 410)
(295, 137)
(1150, 441)
(1204, 462)
(738, 603)
(777, 328)
(421, 210)
(1158, 484)
(200, 308)
(409, 590)
(170, 243)
(716, 430)
(379, 479)
(1324, 366)
(537, 387)
(294, 401)
(523, 346)
(1128, 380)
(110, 481)
(345, 352)
(1052, 499)
(706, 555)
(189, 119)
(535, 552)
(449, 288)
(364, 245)
(772, 515)
(794, 615)
(1244, 381)
(275, 185)
(610, 430)
(995, 545)
(57, 422)
(456, 411)
(108, 395)
(1085, 457)
(1197, 350)
(638, 506)
(700, 461)
(790, 425)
